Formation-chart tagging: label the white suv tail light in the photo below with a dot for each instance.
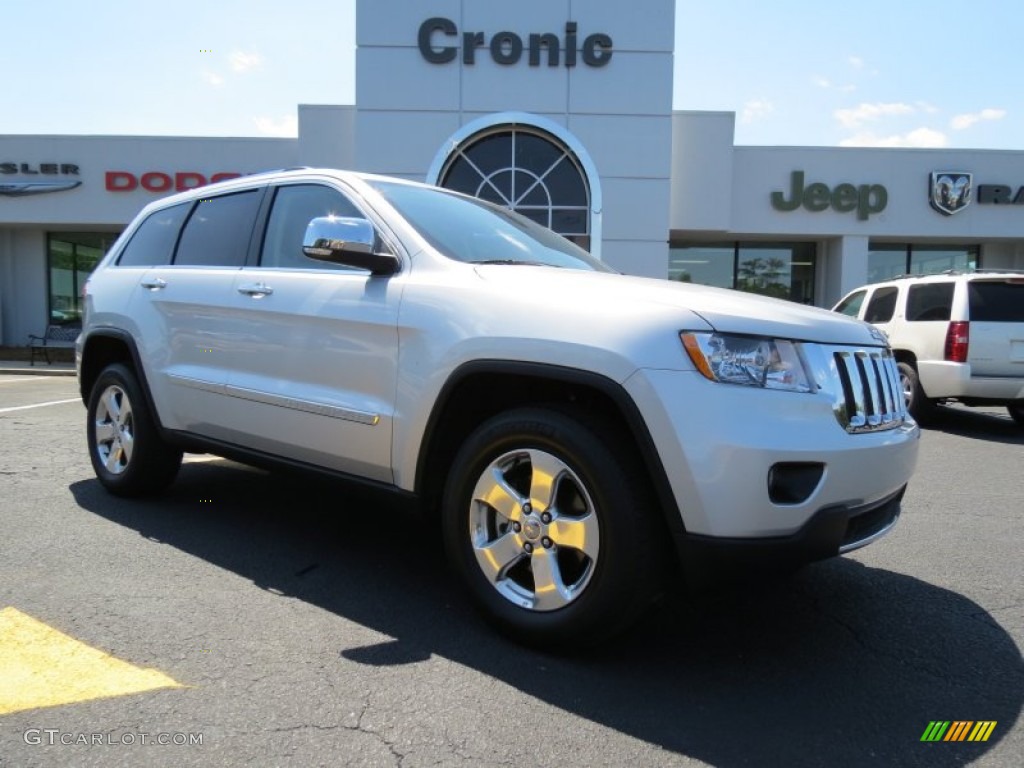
(958, 339)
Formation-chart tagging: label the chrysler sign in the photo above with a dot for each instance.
(35, 185)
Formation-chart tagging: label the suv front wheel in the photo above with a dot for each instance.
(548, 522)
(128, 454)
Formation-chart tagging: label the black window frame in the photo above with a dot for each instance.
(255, 228)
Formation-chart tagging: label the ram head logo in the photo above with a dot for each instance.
(950, 191)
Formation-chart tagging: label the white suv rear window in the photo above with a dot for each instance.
(996, 301)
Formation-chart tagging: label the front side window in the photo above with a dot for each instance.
(851, 304)
(882, 306)
(294, 207)
(218, 231)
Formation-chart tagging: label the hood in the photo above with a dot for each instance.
(725, 310)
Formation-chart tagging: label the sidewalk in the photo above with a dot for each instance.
(22, 368)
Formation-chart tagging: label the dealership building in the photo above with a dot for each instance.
(558, 109)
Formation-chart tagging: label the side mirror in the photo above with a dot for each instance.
(348, 241)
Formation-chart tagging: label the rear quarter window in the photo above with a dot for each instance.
(930, 301)
(153, 241)
(996, 302)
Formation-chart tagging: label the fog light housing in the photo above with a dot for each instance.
(793, 482)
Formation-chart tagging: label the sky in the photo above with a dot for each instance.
(905, 73)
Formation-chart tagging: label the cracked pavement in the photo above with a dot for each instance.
(316, 625)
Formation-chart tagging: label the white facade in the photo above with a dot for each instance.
(596, 79)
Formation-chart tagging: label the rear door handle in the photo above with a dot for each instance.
(155, 284)
(256, 290)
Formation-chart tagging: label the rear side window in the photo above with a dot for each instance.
(930, 301)
(851, 304)
(218, 232)
(153, 241)
(882, 306)
(996, 302)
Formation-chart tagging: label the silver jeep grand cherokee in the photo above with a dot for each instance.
(576, 434)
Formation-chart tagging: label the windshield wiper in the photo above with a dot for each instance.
(516, 261)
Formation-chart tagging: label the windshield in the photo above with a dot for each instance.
(477, 232)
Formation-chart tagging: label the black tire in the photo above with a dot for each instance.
(1016, 411)
(920, 407)
(127, 453)
(603, 540)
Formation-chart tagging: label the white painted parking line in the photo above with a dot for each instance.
(40, 405)
(12, 380)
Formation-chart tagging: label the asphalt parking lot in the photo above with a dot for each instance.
(303, 623)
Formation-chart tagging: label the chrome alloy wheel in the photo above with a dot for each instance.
(115, 430)
(908, 389)
(534, 530)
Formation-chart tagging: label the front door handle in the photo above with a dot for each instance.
(256, 290)
(155, 284)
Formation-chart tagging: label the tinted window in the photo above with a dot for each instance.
(294, 207)
(851, 304)
(930, 301)
(996, 302)
(882, 306)
(153, 241)
(218, 232)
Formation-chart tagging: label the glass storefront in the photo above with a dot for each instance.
(71, 256)
(783, 270)
(888, 260)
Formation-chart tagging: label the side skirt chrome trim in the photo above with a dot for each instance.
(292, 403)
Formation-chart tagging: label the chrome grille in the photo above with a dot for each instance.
(869, 396)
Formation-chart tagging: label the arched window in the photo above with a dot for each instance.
(528, 170)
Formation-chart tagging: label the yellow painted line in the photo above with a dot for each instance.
(41, 405)
(41, 667)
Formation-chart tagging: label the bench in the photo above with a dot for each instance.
(55, 337)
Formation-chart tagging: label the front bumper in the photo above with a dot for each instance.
(719, 444)
(829, 532)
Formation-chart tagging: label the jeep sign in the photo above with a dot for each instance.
(865, 199)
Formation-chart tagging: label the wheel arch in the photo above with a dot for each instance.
(478, 390)
(106, 347)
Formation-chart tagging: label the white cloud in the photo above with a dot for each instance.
(243, 62)
(212, 78)
(287, 126)
(822, 82)
(921, 137)
(960, 122)
(756, 109)
(856, 62)
(862, 113)
(924, 106)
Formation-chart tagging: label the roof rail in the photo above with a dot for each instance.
(950, 272)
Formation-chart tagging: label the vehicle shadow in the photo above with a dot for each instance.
(841, 665)
(989, 424)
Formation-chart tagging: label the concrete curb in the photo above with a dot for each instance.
(24, 369)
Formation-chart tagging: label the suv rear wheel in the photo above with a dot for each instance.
(128, 454)
(920, 407)
(548, 522)
(1017, 413)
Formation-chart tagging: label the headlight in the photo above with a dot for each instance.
(752, 361)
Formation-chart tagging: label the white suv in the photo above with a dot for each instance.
(956, 336)
(570, 430)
